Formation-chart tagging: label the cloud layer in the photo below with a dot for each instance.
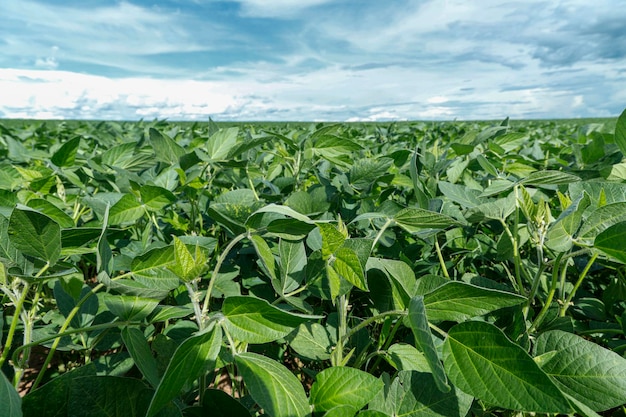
(312, 60)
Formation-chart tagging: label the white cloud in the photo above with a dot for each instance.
(277, 8)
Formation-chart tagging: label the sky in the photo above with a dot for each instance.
(310, 60)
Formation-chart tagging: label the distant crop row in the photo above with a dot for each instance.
(435, 269)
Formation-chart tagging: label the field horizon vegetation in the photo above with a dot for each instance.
(293, 269)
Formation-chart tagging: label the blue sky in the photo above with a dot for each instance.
(312, 59)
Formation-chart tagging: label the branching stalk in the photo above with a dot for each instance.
(582, 276)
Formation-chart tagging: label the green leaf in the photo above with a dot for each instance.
(9, 398)
(66, 154)
(66, 303)
(217, 403)
(415, 394)
(611, 241)
(600, 220)
(414, 219)
(284, 210)
(35, 234)
(220, 144)
(332, 239)
(152, 269)
(190, 361)
(233, 208)
(312, 341)
(588, 372)
(620, 132)
(253, 320)
(156, 198)
(401, 277)
(52, 211)
(424, 341)
(549, 178)
(265, 255)
(128, 307)
(461, 194)
(107, 396)
(126, 210)
(561, 232)
(348, 266)
(481, 361)
(139, 350)
(459, 301)
(486, 165)
(276, 390)
(340, 385)
(405, 357)
(499, 209)
(364, 173)
(165, 148)
(187, 266)
(293, 261)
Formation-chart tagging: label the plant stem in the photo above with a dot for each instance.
(546, 305)
(388, 223)
(444, 270)
(195, 301)
(57, 338)
(216, 270)
(342, 330)
(516, 258)
(369, 321)
(16, 318)
(582, 276)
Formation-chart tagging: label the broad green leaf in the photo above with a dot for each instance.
(341, 411)
(401, 277)
(312, 341)
(364, 173)
(66, 303)
(190, 361)
(600, 220)
(253, 320)
(348, 266)
(290, 229)
(604, 192)
(459, 301)
(10, 400)
(549, 178)
(486, 165)
(66, 154)
(620, 132)
(405, 357)
(588, 372)
(284, 210)
(217, 403)
(265, 255)
(233, 208)
(424, 341)
(156, 198)
(152, 269)
(332, 239)
(418, 186)
(340, 385)
(165, 312)
(107, 396)
(139, 350)
(130, 308)
(612, 241)
(415, 219)
(274, 388)
(481, 361)
(415, 394)
(561, 232)
(292, 259)
(165, 148)
(187, 266)
(52, 211)
(35, 234)
(220, 144)
(126, 210)
(335, 149)
(461, 194)
(499, 209)
(53, 398)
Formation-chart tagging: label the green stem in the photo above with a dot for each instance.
(57, 338)
(536, 280)
(216, 270)
(342, 329)
(69, 333)
(195, 301)
(388, 223)
(546, 305)
(582, 276)
(369, 321)
(444, 270)
(16, 319)
(516, 258)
